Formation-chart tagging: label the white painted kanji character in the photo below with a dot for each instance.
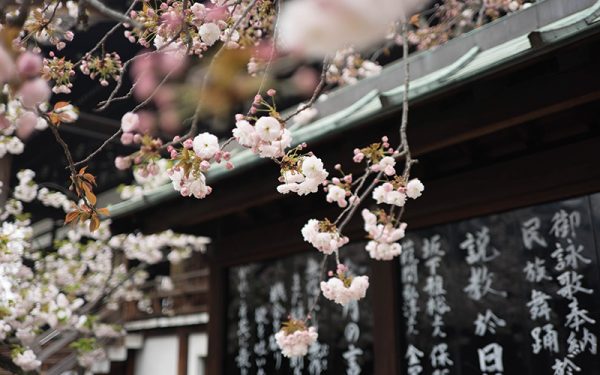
(538, 305)
(590, 339)
(573, 255)
(573, 345)
(490, 358)
(536, 345)
(434, 285)
(477, 247)
(432, 247)
(439, 356)
(352, 310)
(410, 273)
(577, 317)
(438, 325)
(564, 224)
(480, 284)
(415, 370)
(437, 305)
(487, 322)
(352, 332)
(413, 355)
(536, 271)
(571, 285)
(433, 263)
(351, 356)
(550, 339)
(297, 364)
(564, 367)
(317, 358)
(531, 234)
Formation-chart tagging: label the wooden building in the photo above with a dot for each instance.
(501, 119)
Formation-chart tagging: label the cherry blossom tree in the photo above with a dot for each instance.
(105, 270)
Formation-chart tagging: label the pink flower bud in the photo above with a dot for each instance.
(257, 98)
(205, 165)
(137, 138)
(239, 117)
(188, 143)
(127, 138)
(384, 138)
(229, 165)
(271, 92)
(338, 166)
(358, 157)
(174, 154)
(226, 155)
(122, 163)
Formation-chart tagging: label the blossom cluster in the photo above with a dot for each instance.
(383, 234)
(267, 137)
(301, 174)
(343, 289)
(37, 294)
(192, 161)
(454, 18)
(323, 235)
(104, 67)
(204, 26)
(347, 67)
(149, 248)
(295, 338)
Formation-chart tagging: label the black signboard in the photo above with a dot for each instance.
(262, 295)
(512, 293)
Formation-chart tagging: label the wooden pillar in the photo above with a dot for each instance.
(386, 317)
(217, 319)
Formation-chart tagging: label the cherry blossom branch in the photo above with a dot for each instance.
(402, 150)
(65, 147)
(318, 91)
(315, 302)
(403, 136)
(109, 33)
(110, 13)
(195, 119)
(105, 103)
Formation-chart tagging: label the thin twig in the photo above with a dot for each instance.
(109, 33)
(318, 91)
(110, 13)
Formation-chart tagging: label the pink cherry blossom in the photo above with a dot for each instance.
(296, 344)
(335, 289)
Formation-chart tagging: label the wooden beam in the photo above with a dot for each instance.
(384, 286)
(510, 106)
